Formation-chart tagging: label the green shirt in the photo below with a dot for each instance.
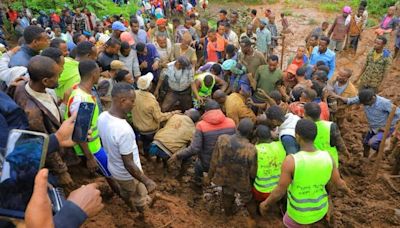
(266, 79)
(69, 77)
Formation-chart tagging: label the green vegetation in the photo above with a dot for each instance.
(100, 7)
(376, 8)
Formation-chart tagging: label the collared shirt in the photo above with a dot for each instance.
(150, 58)
(328, 57)
(146, 112)
(46, 100)
(179, 80)
(236, 108)
(263, 40)
(377, 113)
(165, 53)
(141, 36)
(177, 133)
(22, 57)
(376, 68)
(190, 53)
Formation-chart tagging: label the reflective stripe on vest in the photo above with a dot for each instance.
(307, 197)
(95, 144)
(323, 139)
(270, 157)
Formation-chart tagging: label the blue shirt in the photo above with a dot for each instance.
(329, 58)
(150, 58)
(22, 57)
(377, 113)
(236, 82)
(263, 40)
(141, 36)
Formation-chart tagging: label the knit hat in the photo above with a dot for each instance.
(144, 82)
(161, 21)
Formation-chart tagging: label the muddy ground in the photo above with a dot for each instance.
(375, 202)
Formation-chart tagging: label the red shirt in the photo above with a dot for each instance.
(12, 15)
(298, 63)
(297, 108)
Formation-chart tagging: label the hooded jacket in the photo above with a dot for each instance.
(213, 124)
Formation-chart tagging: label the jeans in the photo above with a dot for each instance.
(290, 144)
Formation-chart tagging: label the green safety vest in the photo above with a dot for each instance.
(307, 197)
(95, 144)
(270, 157)
(205, 91)
(323, 139)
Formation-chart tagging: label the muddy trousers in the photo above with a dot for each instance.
(228, 202)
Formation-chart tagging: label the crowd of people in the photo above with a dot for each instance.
(191, 94)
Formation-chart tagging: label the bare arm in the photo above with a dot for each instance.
(137, 173)
(195, 90)
(221, 83)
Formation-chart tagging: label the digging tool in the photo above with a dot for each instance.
(382, 144)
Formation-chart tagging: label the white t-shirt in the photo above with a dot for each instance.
(118, 139)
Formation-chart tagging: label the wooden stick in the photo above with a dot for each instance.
(382, 144)
(283, 50)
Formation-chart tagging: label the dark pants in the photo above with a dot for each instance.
(181, 100)
(146, 139)
(354, 42)
(290, 144)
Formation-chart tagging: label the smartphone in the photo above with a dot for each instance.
(83, 122)
(23, 157)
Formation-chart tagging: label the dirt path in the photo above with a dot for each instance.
(373, 207)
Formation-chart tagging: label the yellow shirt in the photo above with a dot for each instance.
(236, 108)
(146, 112)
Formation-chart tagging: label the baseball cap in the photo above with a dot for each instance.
(118, 26)
(292, 69)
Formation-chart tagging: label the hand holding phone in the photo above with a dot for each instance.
(83, 122)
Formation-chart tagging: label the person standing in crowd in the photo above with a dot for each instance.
(236, 25)
(90, 20)
(41, 107)
(324, 54)
(339, 31)
(146, 113)
(250, 58)
(222, 17)
(43, 19)
(92, 151)
(308, 169)
(377, 111)
(79, 21)
(213, 124)
(129, 56)
(274, 33)
(120, 142)
(117, 28)
(149, 59)
(266, 78)
(231, 36)
(215, 46)
(387, 24)
(36, 40)
(376, 66)
(249, 34)
(356, 27)
(300, 59)
(270, 156)
(184, 49)
(234, 154)
(110, 53)
(255, 21)
(286, 124)
(319, 31)
(70, 75)
(328, 134)
(263, 42)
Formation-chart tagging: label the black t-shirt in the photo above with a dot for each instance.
(104, 60)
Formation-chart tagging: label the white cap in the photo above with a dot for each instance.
(104, 38)
(144, 81)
